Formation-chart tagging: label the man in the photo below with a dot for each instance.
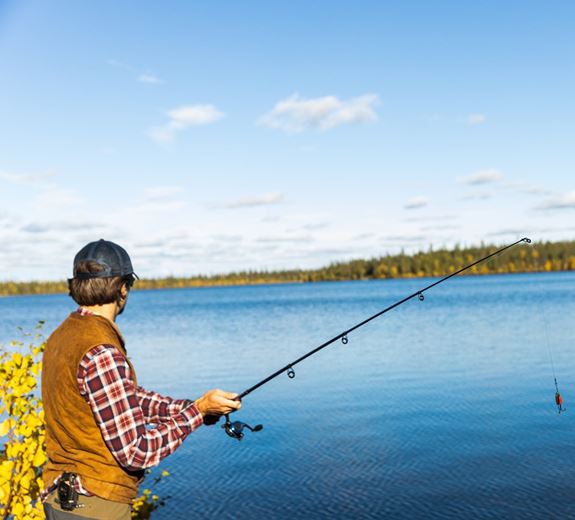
(98, 435)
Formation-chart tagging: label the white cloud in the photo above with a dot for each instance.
(150, 78)
(507, 232)
(161, 192)
(478, 195)
(119, 64)
(304, 239)
(442, 227)
(312, 226)
(194, 115)
(270, 219)
(55, 198)
(42, 227)
(525, 187)
(476, 119)
(295, 114)
(435, 218)
(158, 199)
(416, 203)
(364, 236)
(566, 201)
(407, 238)
(185, 117)
(144, 77)
(161, 134)
(265, 199)
(158, 206)
(28, 179)
(482, 177)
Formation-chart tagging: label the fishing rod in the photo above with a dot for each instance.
(235, 429)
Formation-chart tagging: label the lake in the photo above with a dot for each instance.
(442, 408)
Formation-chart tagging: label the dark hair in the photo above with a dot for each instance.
(96, 291)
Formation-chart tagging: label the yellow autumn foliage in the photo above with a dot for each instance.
(22, 451)
(147, 502)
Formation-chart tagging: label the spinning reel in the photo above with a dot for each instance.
(236, 429)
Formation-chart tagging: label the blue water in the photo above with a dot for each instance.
(439, 409)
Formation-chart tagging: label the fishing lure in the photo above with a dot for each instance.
(236, 429)
(559, 399)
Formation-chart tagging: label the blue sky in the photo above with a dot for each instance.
(211, 137)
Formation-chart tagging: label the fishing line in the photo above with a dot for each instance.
(236, 429)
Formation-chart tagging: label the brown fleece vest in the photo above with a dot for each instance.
(73, 440)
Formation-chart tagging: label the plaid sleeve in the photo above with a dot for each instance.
(104, 379)
(156, 407)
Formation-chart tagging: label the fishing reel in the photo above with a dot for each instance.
(236, 429)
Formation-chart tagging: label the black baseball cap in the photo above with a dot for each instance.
(110, 256)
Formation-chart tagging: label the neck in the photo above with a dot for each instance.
(108, 310)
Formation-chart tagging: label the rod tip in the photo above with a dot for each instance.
(526, 240)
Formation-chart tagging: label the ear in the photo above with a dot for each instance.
(124, 291)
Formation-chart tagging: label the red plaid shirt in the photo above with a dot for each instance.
(124, 412)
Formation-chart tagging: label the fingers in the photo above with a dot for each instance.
(217, 402)
(228, 395)
(227, 402)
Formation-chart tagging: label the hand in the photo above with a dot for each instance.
(217, 403)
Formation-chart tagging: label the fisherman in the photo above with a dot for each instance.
(99, 438)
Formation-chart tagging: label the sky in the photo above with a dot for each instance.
(210, 137)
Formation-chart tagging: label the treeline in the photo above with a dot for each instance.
(539, 257)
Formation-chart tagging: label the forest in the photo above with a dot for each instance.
(537, 257)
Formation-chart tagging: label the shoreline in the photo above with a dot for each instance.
(534, 258)
(201, 285)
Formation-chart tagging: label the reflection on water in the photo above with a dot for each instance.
(440, 409)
